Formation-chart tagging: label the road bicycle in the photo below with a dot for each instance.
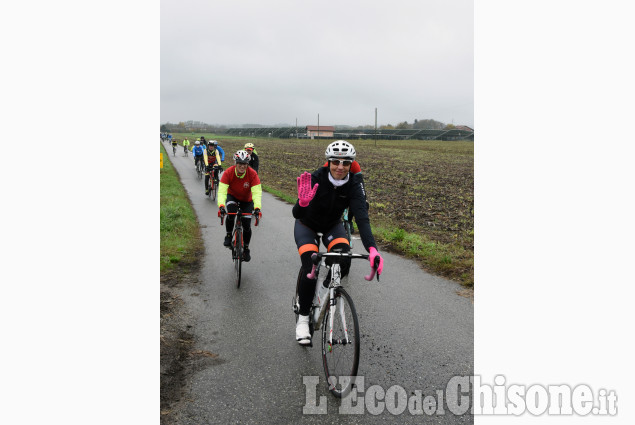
(213, 182)
(348, 226)
(200, 168)
(238, 244)
(185, 150)
(337, 318)
(173, 150)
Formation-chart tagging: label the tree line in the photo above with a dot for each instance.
(200, 127)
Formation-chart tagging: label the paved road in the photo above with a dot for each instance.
(416, 331)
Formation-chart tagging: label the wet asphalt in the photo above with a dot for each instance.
(416, 332)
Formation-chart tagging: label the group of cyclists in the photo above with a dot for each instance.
(238, 186)
(323, 195)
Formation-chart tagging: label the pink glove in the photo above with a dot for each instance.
(373, 254)
(305, 193)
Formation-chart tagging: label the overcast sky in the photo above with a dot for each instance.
(272, 62)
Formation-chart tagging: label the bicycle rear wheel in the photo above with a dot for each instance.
(214, 189)
(238, 255)
(341, 355)
(347, 227)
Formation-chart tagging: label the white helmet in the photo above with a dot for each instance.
(197, 143)
(340, 149)
(242, 157)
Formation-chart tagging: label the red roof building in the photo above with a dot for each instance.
(321, 131)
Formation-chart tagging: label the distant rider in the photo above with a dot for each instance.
(251, 150)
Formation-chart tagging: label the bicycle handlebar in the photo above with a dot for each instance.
(315, 258)
(222, 216)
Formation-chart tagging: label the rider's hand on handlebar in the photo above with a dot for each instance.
(257, 213)
(305, 191)
(221, 211)
(374, 254)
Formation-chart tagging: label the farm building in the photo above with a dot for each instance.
(319, 131)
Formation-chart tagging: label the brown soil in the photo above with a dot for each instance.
(177, 343)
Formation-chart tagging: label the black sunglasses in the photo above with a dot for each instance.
(336, 162)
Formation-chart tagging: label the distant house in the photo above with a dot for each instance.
(464, 128)
(321, 131)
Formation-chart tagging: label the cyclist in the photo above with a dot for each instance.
(186, 145)
(357, 171)
(212, 162)
(198, 152)
(240, 186)
(174, 143)
(219, 149)
(203, 141)
(322, 197)
(251, 150)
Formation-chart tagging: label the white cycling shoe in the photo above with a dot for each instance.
(302, 334)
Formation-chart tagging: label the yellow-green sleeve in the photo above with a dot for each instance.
(256, 195)
(222, 194)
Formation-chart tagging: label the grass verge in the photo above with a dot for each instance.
(181, 250)
(181, 240)
(280, 194)
(452, 261)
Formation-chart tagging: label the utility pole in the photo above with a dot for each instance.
(318, 126)
(375, 126)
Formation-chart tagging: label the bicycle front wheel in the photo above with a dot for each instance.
(340, 348)
(238, 255)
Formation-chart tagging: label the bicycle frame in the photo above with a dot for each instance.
(347, 227)
(238, 224)
(336, 277)
(237, 246)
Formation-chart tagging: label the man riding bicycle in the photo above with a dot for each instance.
(198, 152)
(240, 186)
(186, 145)
(212, 162)
(322, 197)
(254, 162)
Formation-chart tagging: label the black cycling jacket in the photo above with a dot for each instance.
(329, 202)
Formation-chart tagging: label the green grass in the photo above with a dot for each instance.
(180, 233)
(437, 257)
(280, 194)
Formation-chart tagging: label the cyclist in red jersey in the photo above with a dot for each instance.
(240, 186)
